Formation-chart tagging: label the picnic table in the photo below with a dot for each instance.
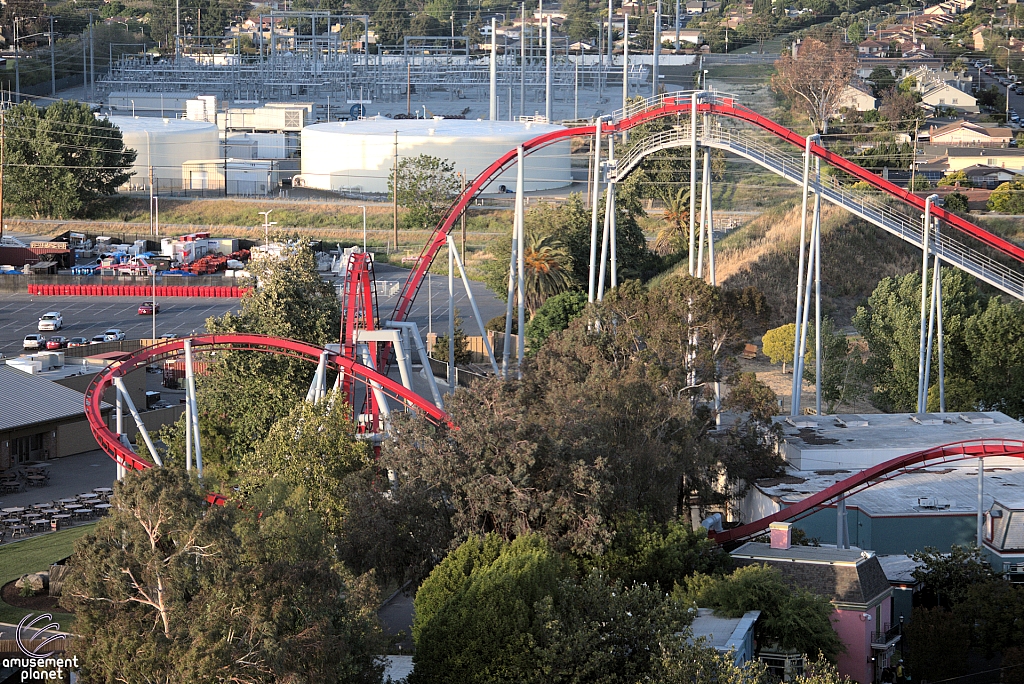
(68, 501)
(49, 511)
(72, 507)
(103, 490)
(11, 521)
(13, 509)
(41, 522)
(83, 512)
(18, 530)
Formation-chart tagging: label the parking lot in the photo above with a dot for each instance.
(88, 316)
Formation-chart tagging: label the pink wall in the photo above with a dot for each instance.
(855, 632)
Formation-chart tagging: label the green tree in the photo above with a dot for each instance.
(947, 577)
(426, 186)
(462, 353)
(484, 628)
(244, 393)
(882, 80)
(791, 618)
(777, 344)
(936, 645)
(656, 554)
(62, 160)
(554, 315)
(842, 367)
(956, 202)
(995, 336)
(1008, 198)
(956, 178)
(855, 32)
(390, 22)
(674, 235)
(167, 578)
(890, 324)
(312, 448)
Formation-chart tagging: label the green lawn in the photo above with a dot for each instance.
(36, 555)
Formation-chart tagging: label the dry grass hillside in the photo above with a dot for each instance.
(855, 256)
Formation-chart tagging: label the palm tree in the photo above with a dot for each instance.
(548, 267)
(674, 234)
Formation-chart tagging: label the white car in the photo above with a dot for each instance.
(34, 342)
(113, 335)
(51, 321)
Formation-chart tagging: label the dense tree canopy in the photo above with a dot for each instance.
(60, 160)
(193, 596)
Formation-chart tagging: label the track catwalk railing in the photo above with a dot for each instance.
(640, 111)
(870, 208)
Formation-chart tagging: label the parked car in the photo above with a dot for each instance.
(34, 341)
(146, 308)
(97, 339)
(78, 342)
(56, 342)
(51, 320)
(113, 335)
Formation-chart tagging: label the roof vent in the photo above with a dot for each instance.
(927, 419)
(976, 418)
(802, 421)
(851, 420)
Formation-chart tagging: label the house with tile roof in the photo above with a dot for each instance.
(855, 583)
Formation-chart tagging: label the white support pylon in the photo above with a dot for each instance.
(506, 351)
(378, 392)
(937, 269)
(452, 372)
(119, 383)
(625, 71)
(812, 256)
(796, 384)
(693, 177)
(712, 278)
(703, 212)
(494, 70)
(413, 332)
(547, 74)
(472, 302)
(922, 372)
(192, 406)
(656, 52)
(521, 260)
(816, 238)
(595, 192)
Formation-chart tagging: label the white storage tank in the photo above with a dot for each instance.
(165, 144)
(358, 156)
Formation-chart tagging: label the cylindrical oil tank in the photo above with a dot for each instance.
(166, 144)
(358, 156)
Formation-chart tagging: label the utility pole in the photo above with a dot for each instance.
(53, 63)
(395, 193)
(92, 60)
(177, 26)
(152, 225)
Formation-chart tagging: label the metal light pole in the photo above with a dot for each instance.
(364, 226)
(266, 225)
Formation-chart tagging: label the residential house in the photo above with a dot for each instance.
(966, 133)
(872, 47)
(978, 35)
(855, 583)
(1003, 536)
(693, 36)
(731, 636)
(698, 7)
(858, 97)
(960, 158)
(989, 177)
(945, 95)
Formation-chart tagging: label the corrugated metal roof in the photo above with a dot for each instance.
(26, 399)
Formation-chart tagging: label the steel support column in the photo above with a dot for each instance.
(693, 176)
(796, 384)
(922, 372)
(595, 201)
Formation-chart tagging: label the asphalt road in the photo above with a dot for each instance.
(88, 316)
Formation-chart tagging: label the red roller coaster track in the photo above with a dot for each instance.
(108, 439)
(666, 106)
(675, 105)
(882, 472)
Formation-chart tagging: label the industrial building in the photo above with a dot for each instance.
(932, 506)
(359, 156)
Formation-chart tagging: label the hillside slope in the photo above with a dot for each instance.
(855, 256)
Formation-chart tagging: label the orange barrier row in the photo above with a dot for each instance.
(136, 291)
